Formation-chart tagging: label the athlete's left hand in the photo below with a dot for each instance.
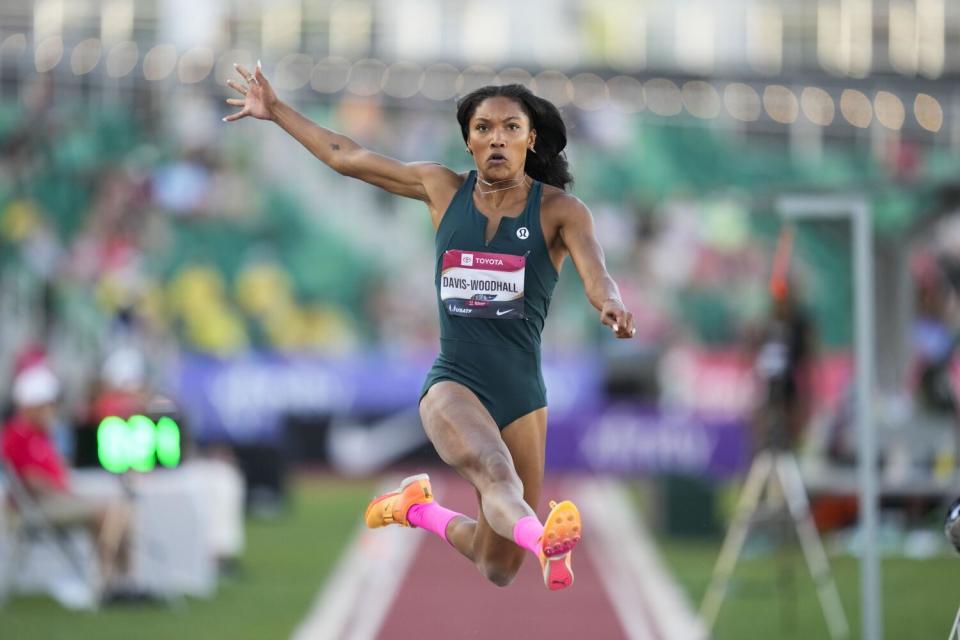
(615, 315)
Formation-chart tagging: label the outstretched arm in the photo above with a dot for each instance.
(425, 181)
(580, 239)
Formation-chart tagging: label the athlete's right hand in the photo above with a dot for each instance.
(259, 100)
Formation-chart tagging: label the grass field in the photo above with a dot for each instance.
(920, 597)
(285, 564)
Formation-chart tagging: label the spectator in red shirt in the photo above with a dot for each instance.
(28, 452)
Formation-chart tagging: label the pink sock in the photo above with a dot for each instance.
(432, 517)
(527, 533)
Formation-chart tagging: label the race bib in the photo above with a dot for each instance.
(474, 284)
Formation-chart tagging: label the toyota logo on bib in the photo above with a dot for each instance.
(523, 233)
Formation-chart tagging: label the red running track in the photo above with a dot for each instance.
(444, 596)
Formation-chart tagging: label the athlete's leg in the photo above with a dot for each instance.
(506, 469)
(497, 557)
(467, 439)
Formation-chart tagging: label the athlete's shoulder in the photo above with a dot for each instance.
(439, 174)
(440, 183)
(562, 204)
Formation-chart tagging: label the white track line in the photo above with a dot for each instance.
(370, 570)
(650, 604)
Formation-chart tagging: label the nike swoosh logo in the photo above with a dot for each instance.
(503, 312)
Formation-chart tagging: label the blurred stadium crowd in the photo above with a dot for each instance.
(129, 226)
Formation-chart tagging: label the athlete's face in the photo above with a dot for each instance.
(499, 137)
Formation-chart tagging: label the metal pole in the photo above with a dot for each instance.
(866, 434)
(858, 212)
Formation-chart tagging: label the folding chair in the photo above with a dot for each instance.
(27, 524)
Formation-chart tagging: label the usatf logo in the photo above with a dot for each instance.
(523, 233)
(466, 259)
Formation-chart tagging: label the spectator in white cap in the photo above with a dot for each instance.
(36, 387)
(29, 452)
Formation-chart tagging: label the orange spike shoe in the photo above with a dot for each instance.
(561, 533)
(391, 508)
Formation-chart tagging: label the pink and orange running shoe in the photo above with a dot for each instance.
(391, 508)
(561, 533)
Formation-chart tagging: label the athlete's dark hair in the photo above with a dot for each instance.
(548, 164)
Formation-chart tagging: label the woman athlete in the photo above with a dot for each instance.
(503, 231)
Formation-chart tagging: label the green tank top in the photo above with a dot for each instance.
(495, 293)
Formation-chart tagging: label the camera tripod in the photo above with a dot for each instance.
(773, 466)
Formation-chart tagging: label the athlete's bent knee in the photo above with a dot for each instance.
(496, 467)
(499, 573)
(500, 566)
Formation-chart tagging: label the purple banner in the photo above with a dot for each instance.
(246, 399)
(633, 439)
